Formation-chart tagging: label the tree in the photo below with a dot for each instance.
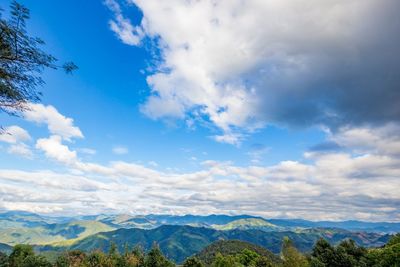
(193, 262)
(394, 240)
(291, 256)
(62, 261)
(3, 259)
(19, 254)
(227, 261)
(389, 255)
(350, 254)
(263, 262)
(347, 253)
(138, 253)
(95, 259)
(75, 258)
(130, 260)
(21, 62)
(323, 254)
(155, 258)
(35, 261)
(247, 257)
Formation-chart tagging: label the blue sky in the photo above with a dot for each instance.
(175, 109)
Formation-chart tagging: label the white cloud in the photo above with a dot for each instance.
(52, 180)
(54, 149)
(14, 134)
(243, 64)
(381, 139)
(21, 149)
(122, 26)
(57, 123)
(60, 126)
(120, 150)
(229, 138)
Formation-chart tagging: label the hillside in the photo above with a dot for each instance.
(5, 248)
(220, 253)
(50, 233)
(232, 247)
(153, 221)
(248, 223)
(178, 242)
(22, 219)
(378, 227)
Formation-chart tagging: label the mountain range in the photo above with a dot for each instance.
(178, 236)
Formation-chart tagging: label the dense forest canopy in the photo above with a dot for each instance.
(224, 254)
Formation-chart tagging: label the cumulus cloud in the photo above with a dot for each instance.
(21, 149)
(60, 126)
(383, 139)
(358, 181)
(54, 149)
(57, 123)
(51, 179)
(14, 134)
(122, 26)
(244, 64)
(229, 138)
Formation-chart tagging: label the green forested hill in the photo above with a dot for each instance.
(50, 233)
(174, 235)
(249, 223)
(178, 242)
(232, 247)
(23, 219)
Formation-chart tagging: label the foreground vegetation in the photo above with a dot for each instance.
(223, 254)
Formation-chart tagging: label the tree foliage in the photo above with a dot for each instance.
(291, 256)
(345, 254)
(3, 259)
(193, 262)
(155, 258)
(22, 61)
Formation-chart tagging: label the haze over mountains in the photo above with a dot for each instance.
(179, 236)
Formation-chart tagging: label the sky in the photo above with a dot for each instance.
(277, 108)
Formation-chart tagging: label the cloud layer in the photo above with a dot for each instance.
(352, 175)
(244, 64)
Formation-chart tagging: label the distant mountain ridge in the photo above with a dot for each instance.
(249, 223)
(11, 219)
(5, 248)
(178, 236)
(93, 232)
(31, 228)
(181, 241)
